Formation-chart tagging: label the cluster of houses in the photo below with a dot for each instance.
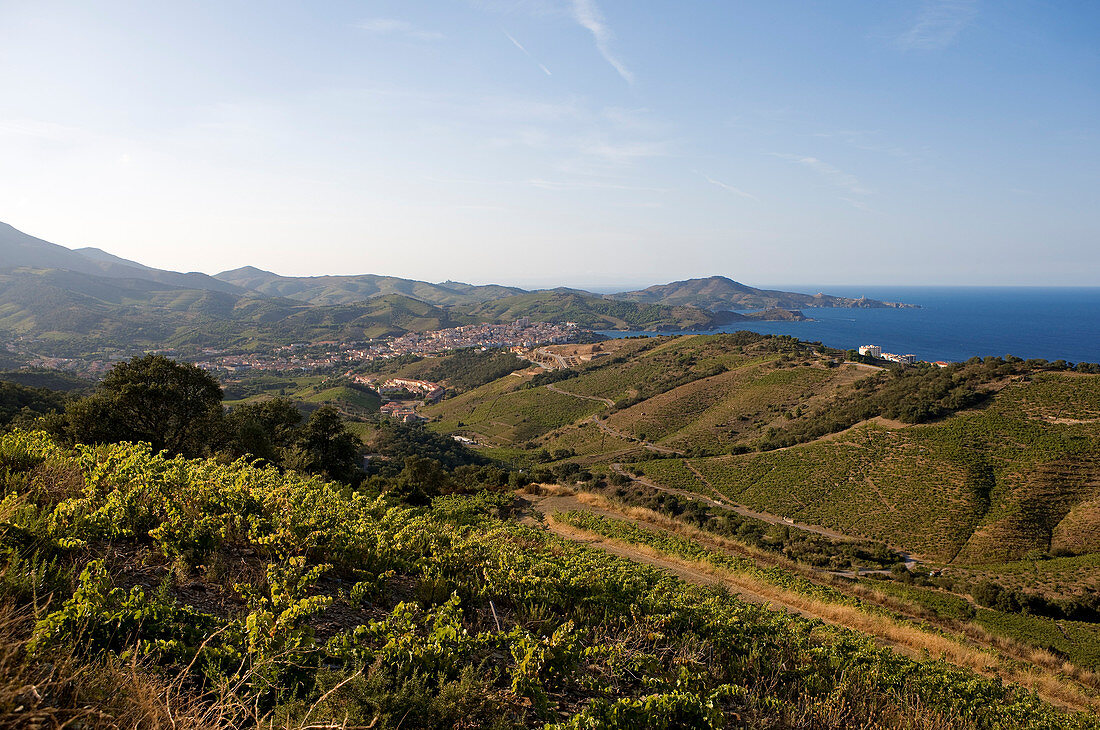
(403, 409)
(876, 351)
(522, 333)
(430, 392)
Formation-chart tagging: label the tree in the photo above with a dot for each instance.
(265, 430)
(419, 481)
(176, 407)
(324, 446)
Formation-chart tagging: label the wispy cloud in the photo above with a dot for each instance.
(938, 24)
(832, 175)
(588, 15)
(623, 151)
(870, 141)
(527, 53)
(589, 184)
(730, 188)
(392, 26)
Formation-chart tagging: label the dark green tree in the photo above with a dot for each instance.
(21, 405)
(176, 407)
(265, 430)
(324, 446)
(419, 481)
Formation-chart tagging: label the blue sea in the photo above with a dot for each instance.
(955, 323)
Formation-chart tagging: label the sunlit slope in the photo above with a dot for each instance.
(640, 381)
(505, 413)
(995, 484)
(1017, 474)
(738, 406)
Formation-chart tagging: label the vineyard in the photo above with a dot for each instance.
(712, 414)
(1077, 641)
(245, 595)
(1054, 396)
(1018, 474)
(1063, 639)
(982, 486)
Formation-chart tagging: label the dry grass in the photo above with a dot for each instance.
(548, 490)
(967, 630)
(63, 691)
(899, 634)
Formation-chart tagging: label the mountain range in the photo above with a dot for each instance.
(69, 298)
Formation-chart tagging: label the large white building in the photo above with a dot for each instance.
(870, 350)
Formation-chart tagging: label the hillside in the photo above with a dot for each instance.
(592, 312)
(71, 311)
(327, 290)
(305, 604)
(1019, 475)
(717, 293)
(19, 250)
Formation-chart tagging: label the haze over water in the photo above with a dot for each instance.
(956, 323)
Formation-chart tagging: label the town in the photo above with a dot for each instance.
(308, 357)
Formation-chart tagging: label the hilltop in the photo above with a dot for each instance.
(72, 301)
(594, 312)
(326, 290)
(19, 250)
(720, 293)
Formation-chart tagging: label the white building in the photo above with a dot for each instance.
(870, 350)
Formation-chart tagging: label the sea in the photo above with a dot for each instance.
(953, 323)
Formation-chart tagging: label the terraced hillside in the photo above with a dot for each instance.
(1011, 470)
(665, 372)
(983, 486)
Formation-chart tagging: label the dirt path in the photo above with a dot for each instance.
(547, 505)
(627, 437)
(740, 508)
(899, 636)
(882, 497)
(555, 356)
(606, 401)
(699, 475)
(864, 366)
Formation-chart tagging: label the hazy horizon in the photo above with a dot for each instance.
(546, 142)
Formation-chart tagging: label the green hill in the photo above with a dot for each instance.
(988, 463)
(19, 250)
(598, 313)
(73, 311)
(719, 294)
(326, 290)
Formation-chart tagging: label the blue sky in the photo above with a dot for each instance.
(541, 142)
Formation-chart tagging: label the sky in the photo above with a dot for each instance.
(589, 143)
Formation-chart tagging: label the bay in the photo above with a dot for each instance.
(953, 323)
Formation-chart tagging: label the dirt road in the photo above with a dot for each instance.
(909, 560)
(547, 505)
(606, 401)
(914, 640)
